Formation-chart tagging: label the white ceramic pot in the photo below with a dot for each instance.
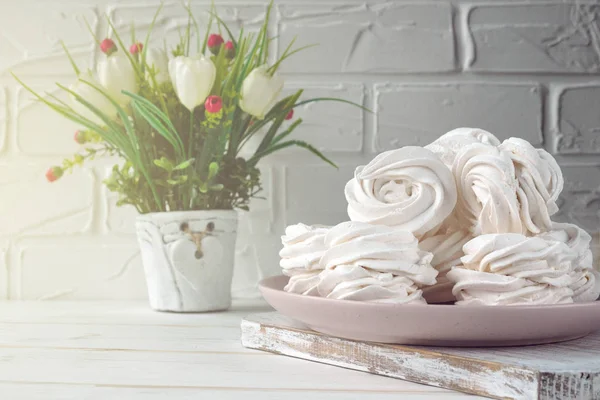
(188, 258)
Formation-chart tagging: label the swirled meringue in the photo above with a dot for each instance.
(586, 285)
(486, 184)
(303, 246)
(347, 282)
(586, 281)
(509, 269)
(447, 250)
(451, 143)
(374, 263)
(576, 239)
(408, 188)
(540, 181)
(483, 288)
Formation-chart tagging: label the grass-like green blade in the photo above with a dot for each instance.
(283, 145)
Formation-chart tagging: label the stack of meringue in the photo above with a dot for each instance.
(466, 218)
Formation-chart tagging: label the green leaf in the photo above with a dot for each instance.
(159, 121)
(147, 39)
(91, 31)
(264, 144)
(213, 169)
(290, 143)
(317, 99)
(178, 181)
(125, 50)
(287, 132)
(161, 183)
(75, 68)
(217, 188)
(287, 55)
(165, 164)
(208, 27)
(207, 152)
(184, 165)
(203, 188)
(224, 25)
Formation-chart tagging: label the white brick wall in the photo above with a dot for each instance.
(518, 68)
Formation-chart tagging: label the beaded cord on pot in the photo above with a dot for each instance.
(197, 237)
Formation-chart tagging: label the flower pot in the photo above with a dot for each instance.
(188, 258)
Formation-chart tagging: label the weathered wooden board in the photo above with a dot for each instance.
(561, 371)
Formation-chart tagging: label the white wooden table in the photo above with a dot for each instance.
(123, 350)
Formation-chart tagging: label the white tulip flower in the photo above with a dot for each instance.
(116, 74)
(192, 78)
(260, 91)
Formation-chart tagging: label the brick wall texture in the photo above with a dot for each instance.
(528, 69)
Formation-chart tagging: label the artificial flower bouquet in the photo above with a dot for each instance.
(179, 120)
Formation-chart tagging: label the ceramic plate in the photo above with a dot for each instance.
(435, 325)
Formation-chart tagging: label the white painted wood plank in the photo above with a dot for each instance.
(122, 313)
(143, 337)
(98, 350)
(19, 391)
(160, 368)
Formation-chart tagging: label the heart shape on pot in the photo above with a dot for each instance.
(197, 267)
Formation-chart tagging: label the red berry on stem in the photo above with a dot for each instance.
(80, 137)
(230, 49)
(290, 114)
(213, 104)
(54, 173)
(108, 46)
(136, 48)
(214, 43)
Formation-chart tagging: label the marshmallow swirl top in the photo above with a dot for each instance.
(303, 246)
(409, 188)
(486, 183)
(451, 143)
(540, 181)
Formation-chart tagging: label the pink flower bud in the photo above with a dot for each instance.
(108, 46)
(80, 137)
(136, 48)
(214, 43)
(229, 49)
(213, 104)
(54, 173)
(290, 114)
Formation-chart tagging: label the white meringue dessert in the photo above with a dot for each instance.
(374, 263)
(466, 218)
(512, 269)
(303, 247)
(447, 250)
(410, 189)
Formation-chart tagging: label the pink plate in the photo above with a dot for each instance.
(435, 325)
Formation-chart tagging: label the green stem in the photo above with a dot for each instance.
(186, 195)
(191, 135)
